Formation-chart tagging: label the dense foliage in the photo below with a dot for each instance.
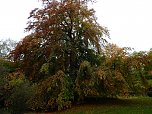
(66, 59)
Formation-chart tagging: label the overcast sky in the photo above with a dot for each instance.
(129, 21)
(13, 17)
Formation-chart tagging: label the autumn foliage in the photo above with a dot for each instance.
(66, 59)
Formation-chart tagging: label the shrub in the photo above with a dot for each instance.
(55, 92)
(5, 68)
(21, 91)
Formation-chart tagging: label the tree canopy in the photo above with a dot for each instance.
(64, 33)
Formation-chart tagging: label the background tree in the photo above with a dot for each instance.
(139, 61)
(114, 67)
(127, 68)
(148, 66)
(6, 67)
(6, 46)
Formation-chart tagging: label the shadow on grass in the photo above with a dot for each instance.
(131, 105)
(108, 101)
(94, 105)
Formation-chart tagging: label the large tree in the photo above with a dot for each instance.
(64, 33)
(60, 53)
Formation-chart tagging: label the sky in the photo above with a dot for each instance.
(13, 17)
(128, 21)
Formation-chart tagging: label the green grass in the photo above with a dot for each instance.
(134, 105)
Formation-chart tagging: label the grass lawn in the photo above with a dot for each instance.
(134, 105)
